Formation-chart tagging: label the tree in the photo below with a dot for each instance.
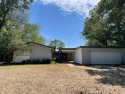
(15, 30)
(57, 44)
(15, 34)
(7, 6)
(11, 42)
(31, 34)
(105, 25)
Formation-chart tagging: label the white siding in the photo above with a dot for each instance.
(20, 58)
(105, 57)
(40, 52)
(85, 56)
(78, 56)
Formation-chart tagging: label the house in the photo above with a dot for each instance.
(86, 55)
(38, 51)
(81, 55)
(99, 55)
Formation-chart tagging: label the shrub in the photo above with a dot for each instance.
(46, 61)
(36, 61)
(29, 61)
(24, 62)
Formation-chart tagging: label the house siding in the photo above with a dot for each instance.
(20, 56)
(40, 52)
(78, 56)
(86, 54)
(19, 59)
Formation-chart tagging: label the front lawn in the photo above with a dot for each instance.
(58, 79)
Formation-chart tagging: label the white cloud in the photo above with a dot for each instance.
(81, 7)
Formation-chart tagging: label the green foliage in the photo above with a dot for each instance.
(36, 61)
(29, 61)
(15, 33)
(46, 61)
(57, 44)
(105, 25)
(24, 62)
(31, 34)
(7, 6)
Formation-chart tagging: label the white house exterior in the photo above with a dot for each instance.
(19, 57)
(92, 55)
(78, 56)
(81, 55)
(39, 51)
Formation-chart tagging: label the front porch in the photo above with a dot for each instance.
(65, 55)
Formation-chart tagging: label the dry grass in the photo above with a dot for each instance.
(55, 79)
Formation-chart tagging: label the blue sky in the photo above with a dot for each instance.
(61, 20)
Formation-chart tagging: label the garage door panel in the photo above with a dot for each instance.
(105, 57)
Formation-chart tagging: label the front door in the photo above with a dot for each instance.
(64, 56)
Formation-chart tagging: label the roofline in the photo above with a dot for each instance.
(90, 47)
(74, 48)
(99, 47)
(39, 44)
(67, 48)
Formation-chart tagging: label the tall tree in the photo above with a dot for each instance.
(105, 25)
(15, 34)
(31, 34)
(57, 44)
(7, 6)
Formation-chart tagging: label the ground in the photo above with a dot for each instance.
(61, 79)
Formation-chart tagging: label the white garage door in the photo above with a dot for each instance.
(105, 57)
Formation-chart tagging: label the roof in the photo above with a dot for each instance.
(39, 44)
(74, 48)
(113, 47)
(98, 47)
(67, 48)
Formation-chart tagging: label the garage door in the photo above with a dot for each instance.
(105, 57)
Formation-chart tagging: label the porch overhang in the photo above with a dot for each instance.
(67, 49)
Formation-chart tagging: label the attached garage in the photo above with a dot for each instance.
(95, 55)
(105, 58)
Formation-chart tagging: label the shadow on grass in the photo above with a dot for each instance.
(106, 66)
(109, 75)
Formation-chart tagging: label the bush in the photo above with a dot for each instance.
(36, 61)
(29, 61)
(46, 61)
(24, 62)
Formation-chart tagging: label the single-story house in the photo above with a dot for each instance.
(95, 55)
(81, 55)
(38, 51)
